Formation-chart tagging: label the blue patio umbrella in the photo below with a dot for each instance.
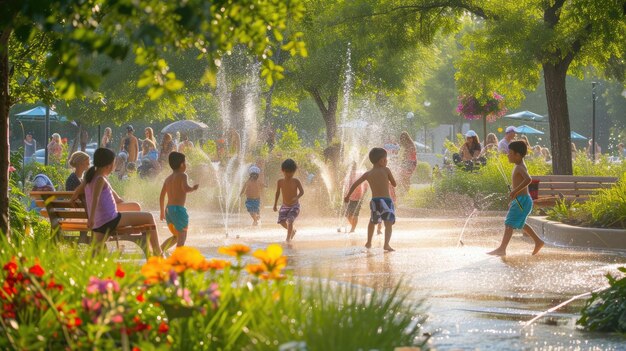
(526, 116)
(577, 136)
(524, 129)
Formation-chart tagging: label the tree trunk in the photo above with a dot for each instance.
(484, 129)
(4, 131)
(329, 113)
(556, 96)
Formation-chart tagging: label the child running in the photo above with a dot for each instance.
(253, 188)
(176, 188)
(381, 205)
(521, 202)
(292, 191)
(102, 205)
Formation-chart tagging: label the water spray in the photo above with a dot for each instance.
(500, 168)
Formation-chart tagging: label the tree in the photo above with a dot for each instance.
(515, 42)
(383, 53)
(148, 28)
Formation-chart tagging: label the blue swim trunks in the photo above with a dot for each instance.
(382, 210)
(253, 206)
(177, 218)
(516, 217)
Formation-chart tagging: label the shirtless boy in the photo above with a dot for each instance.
(253, 188)
(381, 205)
(176, 188)
(521, 203)
(292, 191)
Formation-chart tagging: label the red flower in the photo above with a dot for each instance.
(163, 328)
(11, 266)
(136, 349)
(119, 272)
(139, 325)
(36, 269)
(140, 298)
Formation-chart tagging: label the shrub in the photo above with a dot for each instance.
(75, 301)
(606, 310)
(289, 139)
(423, 173)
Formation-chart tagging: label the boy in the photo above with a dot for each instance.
(521, 202)
(253, 188)
(292, 191)
(176, 188)
(381, 205)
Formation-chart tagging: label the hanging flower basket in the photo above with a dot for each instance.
(491, 109)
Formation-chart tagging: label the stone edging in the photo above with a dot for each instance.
(560, 234)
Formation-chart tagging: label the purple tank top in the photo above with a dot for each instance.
(106, 210)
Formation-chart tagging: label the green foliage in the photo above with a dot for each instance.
(82, 301)
(57, 174)
(289, 139)
(209, 148)
(607, 209)
(423, 173)
(584, 166)
(605, 311)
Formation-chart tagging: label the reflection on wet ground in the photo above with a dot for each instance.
(474, 301)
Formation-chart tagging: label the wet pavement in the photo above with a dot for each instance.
(473, 301)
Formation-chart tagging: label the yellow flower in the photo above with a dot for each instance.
(184, 258)
(272, 259)
(213, 264)
(236, 250)
(255, 269)
(156, 270)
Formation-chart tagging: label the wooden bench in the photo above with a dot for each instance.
(66, 217)
(570, 188)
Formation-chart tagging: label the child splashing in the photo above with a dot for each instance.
(521, 202)
(101, 204)
(253, 189)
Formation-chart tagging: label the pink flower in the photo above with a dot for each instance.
(102, 286)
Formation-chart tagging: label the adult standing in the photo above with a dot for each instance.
(167, 146)
(150, 135)
(30, 145)
(107, 139)
(503, 145)
(590, 150)
(55, 148)
(130, 144)
(408, 158)
(185, 144)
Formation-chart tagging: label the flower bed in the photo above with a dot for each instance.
(187, 302)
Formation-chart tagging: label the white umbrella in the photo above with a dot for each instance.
(184, 126)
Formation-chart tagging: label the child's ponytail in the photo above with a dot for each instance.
(102, 157)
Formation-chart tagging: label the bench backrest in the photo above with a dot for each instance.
(572, 186)
(59, 208)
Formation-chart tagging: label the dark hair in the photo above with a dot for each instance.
(176, 159)
(101, 158)
(376, 154)
(519, 147)
(254, 176)
(289, 165)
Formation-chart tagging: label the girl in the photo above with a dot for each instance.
(150, 135)
(80, 162)
(55, 148)
(107, 139)
(471, 149)
(101, 202)
(167, 146)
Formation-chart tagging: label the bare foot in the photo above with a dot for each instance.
(379, 232)
(538, 247)
(388, 248)
(255, 223)
(497, 252)
(368, 245)
(352, 231)
(293, 233)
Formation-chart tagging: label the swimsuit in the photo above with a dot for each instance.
(253, 205)
(288, 213)
(382, 210)
(177, 218)
(516, 217)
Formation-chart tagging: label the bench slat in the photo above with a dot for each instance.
(574, 186)
(567, 192)
(70, 214)
(58, 203)
(580, 179)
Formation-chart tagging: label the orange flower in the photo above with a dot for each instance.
(184, 258)
(156, 270)
(119, 272)
(272, 258)
(255, 269)
(213, 264)
(273, 276)
(236, 250)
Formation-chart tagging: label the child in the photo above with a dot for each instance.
(176, 188)
(100, 200)
(354, 205)
(381, 205)
(292, 191)
(521, 202)
(80, 162)
(253, 188)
